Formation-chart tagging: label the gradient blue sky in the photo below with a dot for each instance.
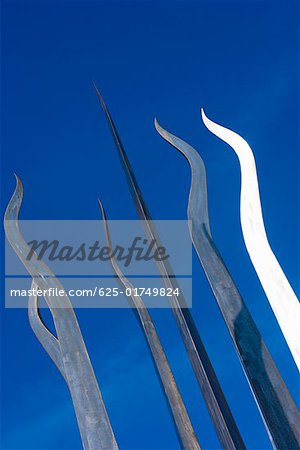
(238, 60)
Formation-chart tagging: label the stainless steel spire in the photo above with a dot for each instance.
(67, 350)
(218, 408)
(184, 428)
(279, 412)
(278, 290)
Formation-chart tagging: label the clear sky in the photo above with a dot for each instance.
(236, 59)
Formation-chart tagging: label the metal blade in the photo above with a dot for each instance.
(278, 290)
(184, 428)
(279, 412)
(217, 406)
(93, 421)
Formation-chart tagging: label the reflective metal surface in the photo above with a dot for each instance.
(68, 350)
(280, 294)
(279, 412)
(218, 408)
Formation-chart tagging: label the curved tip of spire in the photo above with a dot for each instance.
(15, 202)
(95, 87)
(102, 209)
(18, 180)
(236, 142)
(207, 122)
(157, 126)
(19, 187)
(164, 133)
(98, 94)
(214, 127)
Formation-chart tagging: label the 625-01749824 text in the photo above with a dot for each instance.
(97, 291)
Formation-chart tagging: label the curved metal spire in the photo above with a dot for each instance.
(184, 428)
(281, 296)
(213, 395)
(279, 412)
(68, 351)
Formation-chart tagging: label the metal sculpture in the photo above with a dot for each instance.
(278, 290)
(279, 412)
(67, 350)
(218, 408)
(186, 434)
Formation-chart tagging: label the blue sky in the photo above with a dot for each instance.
(238, 60)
